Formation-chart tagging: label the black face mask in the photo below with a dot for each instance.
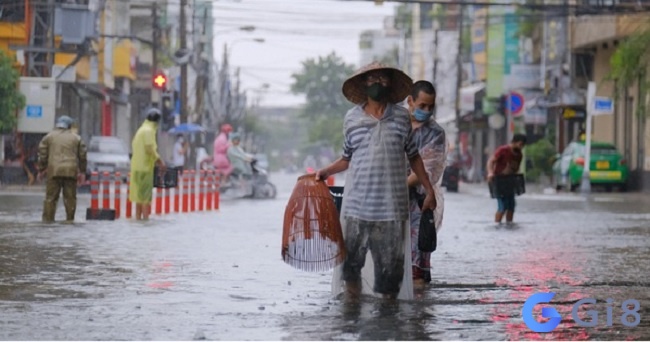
(377, 92)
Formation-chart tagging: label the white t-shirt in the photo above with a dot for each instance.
(178, 156)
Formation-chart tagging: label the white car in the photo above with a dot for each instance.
(108, 154)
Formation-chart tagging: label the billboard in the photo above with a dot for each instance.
(479, 37)
(40, 105)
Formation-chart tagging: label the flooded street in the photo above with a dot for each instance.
(219, 275)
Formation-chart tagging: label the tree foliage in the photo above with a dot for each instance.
(320, 80)
(631, 59)
(541, 154)
(630, 63)
(11, 99)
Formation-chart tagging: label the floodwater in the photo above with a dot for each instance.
(219, 275)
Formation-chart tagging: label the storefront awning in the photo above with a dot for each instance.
(468, 99)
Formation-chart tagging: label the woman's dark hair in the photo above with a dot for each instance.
(424, 86)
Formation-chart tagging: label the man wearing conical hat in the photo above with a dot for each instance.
(378, 143)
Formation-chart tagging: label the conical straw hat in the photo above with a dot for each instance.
(354, 88)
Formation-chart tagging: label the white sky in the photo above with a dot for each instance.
(293, 30)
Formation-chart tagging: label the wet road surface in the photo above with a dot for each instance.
(219, 275)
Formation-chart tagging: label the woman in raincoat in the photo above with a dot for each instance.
(431, 141)
(145, 157)
(374, 214)
(220, 160)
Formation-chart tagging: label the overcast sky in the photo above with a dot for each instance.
(293, 30)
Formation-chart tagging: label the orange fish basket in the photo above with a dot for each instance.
(312, 239)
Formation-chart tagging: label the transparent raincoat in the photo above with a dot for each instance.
(378, 161)
(432, 145)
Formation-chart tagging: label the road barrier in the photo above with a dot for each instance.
(195, 191)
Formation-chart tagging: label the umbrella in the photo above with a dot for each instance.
(187, 128)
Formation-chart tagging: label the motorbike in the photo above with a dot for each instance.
(256, 186)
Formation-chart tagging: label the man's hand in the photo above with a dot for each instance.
(321, 175)
(161, 165)
(81, 178)
(490, 176)
(429, 202)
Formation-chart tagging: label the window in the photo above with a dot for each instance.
(12, 11)
(598, 149)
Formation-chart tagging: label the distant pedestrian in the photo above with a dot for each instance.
(220, 159)
(180, 151)
(145, 157)
(506, 161)
(62, 154)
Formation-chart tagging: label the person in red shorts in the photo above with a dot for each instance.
(506, 161)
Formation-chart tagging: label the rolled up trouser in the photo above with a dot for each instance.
(53, 188)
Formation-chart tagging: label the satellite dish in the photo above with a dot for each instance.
(496, 121)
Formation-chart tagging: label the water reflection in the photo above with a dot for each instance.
(368, 319)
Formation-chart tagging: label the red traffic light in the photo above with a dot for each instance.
(160, 81)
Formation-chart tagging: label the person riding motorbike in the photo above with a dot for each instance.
(220, 160)
(240, 160)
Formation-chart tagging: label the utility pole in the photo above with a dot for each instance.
(436, 28)
(459, 74)
(155, 94)
(183, 41)
(201, 79)
(201, 66)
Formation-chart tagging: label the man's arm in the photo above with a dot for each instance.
(337, 166)
(491, 164)
(151, 150)
(418, 168)
(83, 157)
(434, 158)
(43, 151)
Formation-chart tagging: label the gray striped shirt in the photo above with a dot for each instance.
(376, 189)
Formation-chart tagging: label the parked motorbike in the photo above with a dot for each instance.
(257, 186)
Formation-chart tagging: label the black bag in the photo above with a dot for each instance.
(507, 185)
(427, 236)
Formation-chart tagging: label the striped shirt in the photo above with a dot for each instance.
(376, 189)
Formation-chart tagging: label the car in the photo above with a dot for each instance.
(607, 166)
(108, 154)
(451, 175)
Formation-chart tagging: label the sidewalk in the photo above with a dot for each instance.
(15, 188)
(541, 192)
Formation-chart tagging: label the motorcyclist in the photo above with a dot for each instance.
(220, 160)
(240, 160)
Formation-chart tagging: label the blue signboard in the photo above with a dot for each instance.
(34, 112)
(516, 103)
(603, 105)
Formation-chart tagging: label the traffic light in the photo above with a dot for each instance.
(502, 106)
(167, 109)
(160, 81)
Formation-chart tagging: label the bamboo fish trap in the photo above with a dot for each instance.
(312, 239)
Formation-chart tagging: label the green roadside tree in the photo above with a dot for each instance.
(320, 80)
(11, 99)
(629, 65)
